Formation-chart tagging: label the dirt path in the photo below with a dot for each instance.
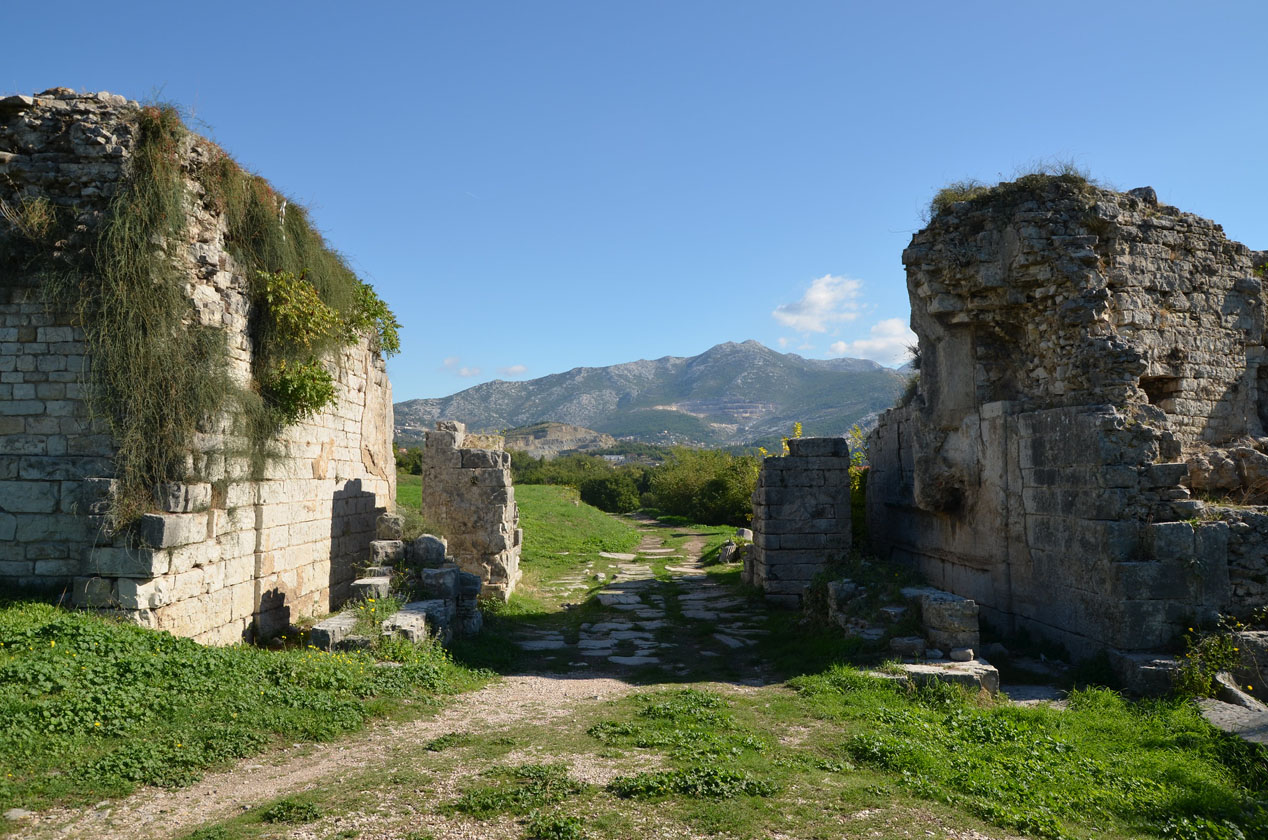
(158, 813)
(641, 613)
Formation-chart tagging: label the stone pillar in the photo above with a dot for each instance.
(468, 497)
(801, 517)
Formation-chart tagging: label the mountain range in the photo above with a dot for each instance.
(731, 394)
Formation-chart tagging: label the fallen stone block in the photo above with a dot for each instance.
(329, 632)
(418, 620)
(974, 674)
(371, 587)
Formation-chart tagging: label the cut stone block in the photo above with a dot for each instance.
(329, 632)
(417, 620)
(973, 675)
(371, 587)
(427, 550)
(441, 583)
(126, 562)
(386, 552)
(389, 526)
(175, 497)
(166, 530)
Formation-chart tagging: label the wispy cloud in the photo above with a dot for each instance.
(454, 365)
(513, 370)
(887, 343)
(829, 300)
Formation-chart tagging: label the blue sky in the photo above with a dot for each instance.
(535, 186)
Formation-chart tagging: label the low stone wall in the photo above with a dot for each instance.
(468, 497)
(241, 549)
(801, 517)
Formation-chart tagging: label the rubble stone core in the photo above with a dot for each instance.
(1086, 357)
(237, 551)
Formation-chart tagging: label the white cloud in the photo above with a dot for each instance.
(783, 342)
(887, 343)
(513, 370)
(454, 365)
(829, 300)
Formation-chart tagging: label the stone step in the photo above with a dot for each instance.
(371, 587)
(329, 632)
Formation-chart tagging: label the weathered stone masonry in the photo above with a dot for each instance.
(468, 497)
(1086, 357)
(230, 556)
(801, 517)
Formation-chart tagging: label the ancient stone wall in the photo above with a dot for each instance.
(801, 517)
(468, 497)
(1080, 350)
(239, 549)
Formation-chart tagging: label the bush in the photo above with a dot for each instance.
(705, 486)
(616, 493)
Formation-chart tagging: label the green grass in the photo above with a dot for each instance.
(555, 520)
(92, 708)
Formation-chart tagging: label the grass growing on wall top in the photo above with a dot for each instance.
(155, 377)
(1040, 176)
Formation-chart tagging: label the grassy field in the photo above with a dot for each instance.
(93, 707)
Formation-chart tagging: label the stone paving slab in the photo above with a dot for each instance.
(618, 555)
(1249, 724)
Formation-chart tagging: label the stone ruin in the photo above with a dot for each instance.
(468, 497)
(801, 518)
(1084, 454)
(448, 598)
(229, 554)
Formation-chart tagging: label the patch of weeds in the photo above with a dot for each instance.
(449, 740)
(696, 782)
(519, 790)
(688, 723)
(1208, 653)
(372, 612)
(292, 811)
(541, 826)
(210, 832)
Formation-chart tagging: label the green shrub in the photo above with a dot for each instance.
(705, 486)
(615, 493)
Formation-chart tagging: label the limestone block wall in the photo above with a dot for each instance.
(468, 496)
(801, 517)
(238, 549)
(1078, 348)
